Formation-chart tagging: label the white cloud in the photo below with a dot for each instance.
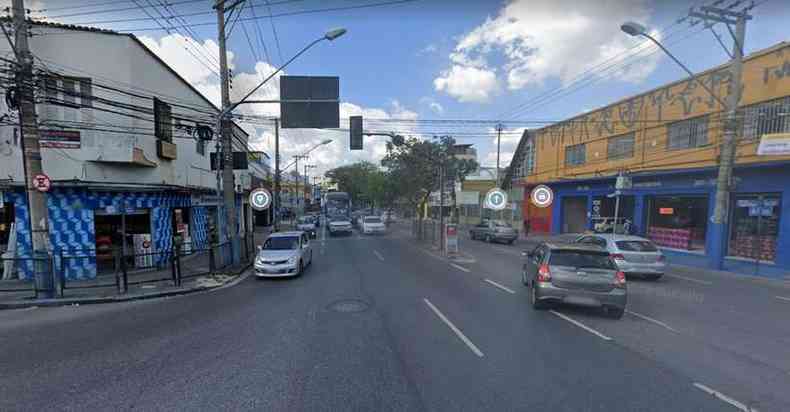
(467, 83)
(171, 49)
(508, 143)
(547, 39)
(430, 48)
(432, 104)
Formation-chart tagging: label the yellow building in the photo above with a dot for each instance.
(668, 141)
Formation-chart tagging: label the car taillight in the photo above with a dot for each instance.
(619, 279)
(618, 256)
(544, 274)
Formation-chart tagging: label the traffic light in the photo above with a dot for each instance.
(356, 132)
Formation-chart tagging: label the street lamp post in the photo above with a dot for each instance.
(729, 143)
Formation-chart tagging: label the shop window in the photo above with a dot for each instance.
(575, 155)
(620, 147)
(766, 118)
(6, 223)
(678, 222)
(200, 147)
(687, 134)
(755, 226)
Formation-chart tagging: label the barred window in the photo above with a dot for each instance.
(620, 147)
(163, 121)
(688, 133)
(529, 159)
(766, 118)
(575, 155)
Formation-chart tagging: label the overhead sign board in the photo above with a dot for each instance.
(260, 199)
(315, 102)
(542, 196)
(496, 199)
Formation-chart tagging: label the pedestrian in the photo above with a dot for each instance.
(526, 227)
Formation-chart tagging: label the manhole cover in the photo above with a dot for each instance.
(348, 306)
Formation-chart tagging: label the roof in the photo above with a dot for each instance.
(610, 236)
(286, 234)
(136, 40)
(573, 246)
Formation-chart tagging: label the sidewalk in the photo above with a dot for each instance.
(143, 284)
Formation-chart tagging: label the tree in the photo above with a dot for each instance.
(353, 179)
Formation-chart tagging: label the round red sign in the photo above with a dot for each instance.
(41, 182)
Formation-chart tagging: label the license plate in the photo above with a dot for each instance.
(581, 300)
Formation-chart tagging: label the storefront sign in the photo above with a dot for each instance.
(774, 144)
(647, 184)
(60, 139)
(761, 211)
(202, 199)
(666, 211)
(582, 188)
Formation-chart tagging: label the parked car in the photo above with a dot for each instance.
(576, 274)
(388, 217)
(494, 231)
(634, 255)
(306, 224)
(338, 225)
(373, 225)
(283, 254)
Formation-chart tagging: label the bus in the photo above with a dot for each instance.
(337, 205)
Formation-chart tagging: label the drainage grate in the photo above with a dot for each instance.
(348, 306)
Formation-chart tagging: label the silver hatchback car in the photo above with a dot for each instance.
(283, 254)
(574, 274)
(634, 255)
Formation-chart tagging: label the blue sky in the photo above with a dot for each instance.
(442, 59)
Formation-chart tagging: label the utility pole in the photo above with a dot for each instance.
(498, 139)
(713, 15)
(296, 194)
(31, 152)
(276, 175)
(226, 134)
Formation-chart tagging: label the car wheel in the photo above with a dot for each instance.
(488, 238)
(301, 269)
(656, 277)
(533, 298)
(615, 313)
(510, 242)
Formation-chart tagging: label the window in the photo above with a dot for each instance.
(754, 231)
(163, 120)
(678, 222)
(581, 259)
(200, 147)
(636, 246)
(620, 147)
(765, 118)
(687, 134)
(65, 96)
(575, 155)
(526, 164)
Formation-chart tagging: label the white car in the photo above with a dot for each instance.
(283, 254)
(306, 224)
(339, 225)
(373, 225)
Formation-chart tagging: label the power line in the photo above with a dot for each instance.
(274, 30)
(117, 9)
(260, 33)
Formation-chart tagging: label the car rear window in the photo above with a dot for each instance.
(576, 258)
(372, 220)
(499, 223)
(636, 246)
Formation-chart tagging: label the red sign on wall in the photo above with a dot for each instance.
(666, 210)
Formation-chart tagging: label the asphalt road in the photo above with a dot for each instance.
(378, 324)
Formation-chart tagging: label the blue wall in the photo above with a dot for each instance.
(754, 179)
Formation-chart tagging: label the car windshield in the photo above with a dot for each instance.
(581, 259)
(372, 220)
(636, 246)
(306, 219)
(500, 223)
(281, 243)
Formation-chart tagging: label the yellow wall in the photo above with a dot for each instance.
(766, 76)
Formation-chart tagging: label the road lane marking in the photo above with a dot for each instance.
(701, 282)
(505, 288)
(378, 255)
(649, 319)
(581, 325)
(457, 331)
(460, 267)
(724, 397)
(783, 298)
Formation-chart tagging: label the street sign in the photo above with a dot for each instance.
(542, 196)
(355, 130)
(42, 183)
(260, 199)
(496, 199)
(451, 239)
(322, 113)
(623, 183)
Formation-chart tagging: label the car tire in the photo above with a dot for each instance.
(533, 299)
(615, 313)
(488, 239)
(510, 242)
(300, 271)
(655, 277)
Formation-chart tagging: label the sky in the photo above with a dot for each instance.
(414, 67)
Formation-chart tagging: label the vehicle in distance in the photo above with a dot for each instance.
(575, 274)
(283, 254)
(373, 225)
(306, 224)
(337, 204)
(634, 255)
(339, 225)
(494, 231)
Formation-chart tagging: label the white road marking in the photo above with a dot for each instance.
(457, 331)
(378, 255)
(783, 298)
(460, 267)
(724, 398)
(701, 282)
(649, 319)
(505, 288)
(581, 325)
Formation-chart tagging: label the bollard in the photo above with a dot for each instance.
(62, 274)
(211, 262)
(124, 273)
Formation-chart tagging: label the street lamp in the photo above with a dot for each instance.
(635, 29)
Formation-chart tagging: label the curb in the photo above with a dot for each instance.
(21, 304)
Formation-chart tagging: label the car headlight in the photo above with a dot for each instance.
(292, 260)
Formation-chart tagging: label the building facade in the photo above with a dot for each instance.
(125, 141)
(667, 141)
